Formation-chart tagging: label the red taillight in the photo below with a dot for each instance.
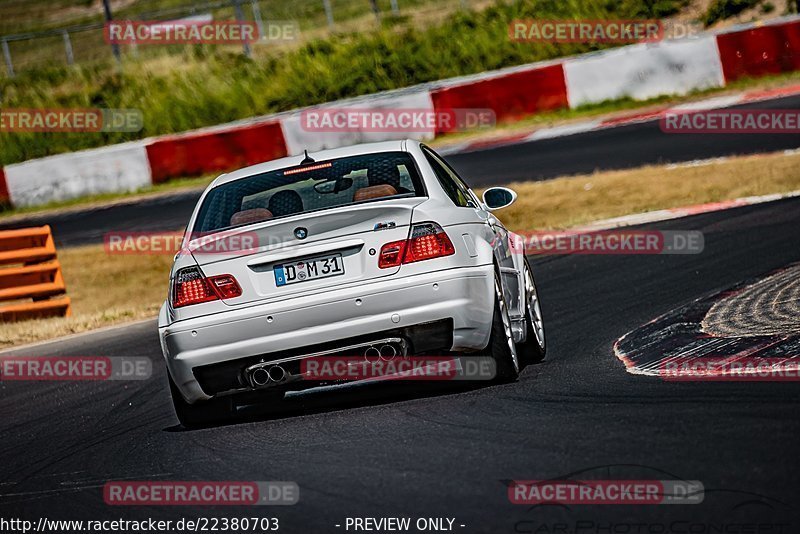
(427, 241)
(391, 254)
(191, 287)
(425, 247)
(226, 285)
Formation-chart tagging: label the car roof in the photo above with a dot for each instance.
(321, 155)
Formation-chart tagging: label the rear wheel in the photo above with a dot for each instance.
(201, 413)
(501, 341)
(533, 349)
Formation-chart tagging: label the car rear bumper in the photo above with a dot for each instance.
(463, 296)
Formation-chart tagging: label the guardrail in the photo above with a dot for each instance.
(29, 269)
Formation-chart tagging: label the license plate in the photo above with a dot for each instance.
(311, 269)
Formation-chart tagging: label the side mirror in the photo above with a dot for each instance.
(498, 197)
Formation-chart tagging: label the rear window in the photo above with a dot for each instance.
(316, 186)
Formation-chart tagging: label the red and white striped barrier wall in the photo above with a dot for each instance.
(298, 138)
(760, 50)
(639, 71)
(214, 149)
(512, 93)
(116, 168)
(4, 198)
(644, 71)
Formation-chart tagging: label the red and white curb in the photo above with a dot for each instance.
(685, 211)
(678, 346)
(567, 130)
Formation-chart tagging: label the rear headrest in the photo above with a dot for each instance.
(250, 216)
(384, 172)
(374, 191)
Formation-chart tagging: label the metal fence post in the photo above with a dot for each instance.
(328, 12)
(109, 18)
(257, 17)
(7, 55)
(68, 48)
(376, 10)
(237, 8)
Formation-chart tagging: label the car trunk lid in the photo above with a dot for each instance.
(306, 253)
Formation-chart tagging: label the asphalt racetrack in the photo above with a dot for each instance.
(621, 147)
(449, 451)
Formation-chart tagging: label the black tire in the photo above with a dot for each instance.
(201, 413)
(501, 342)
(534, 348)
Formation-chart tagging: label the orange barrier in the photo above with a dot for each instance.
(30, 271)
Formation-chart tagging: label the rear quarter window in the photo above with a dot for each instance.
(450, 182)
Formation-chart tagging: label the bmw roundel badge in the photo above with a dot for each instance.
(300, 233)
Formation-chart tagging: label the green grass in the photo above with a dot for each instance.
(725, 9)
(89, 46)
(20, 16)
(207, 86)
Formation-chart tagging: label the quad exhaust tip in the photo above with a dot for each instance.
(276, 373)
(260, 377)
(385, 352)
(266, 375)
